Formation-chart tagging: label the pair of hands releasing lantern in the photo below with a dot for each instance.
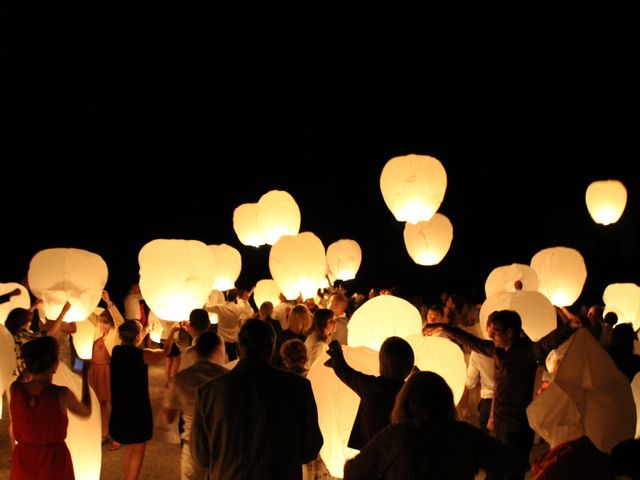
(606, 200)
(276, 214)
(376, 320)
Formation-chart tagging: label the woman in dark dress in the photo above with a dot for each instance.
(131, 422)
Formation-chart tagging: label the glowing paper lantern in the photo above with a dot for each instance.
(155, 328)
(586, 389)
(382, 317)
(561, 274)
(266, 290)
(428, 242)
(7, 361)
(298, 264)
(18, 301)
(84, 435)
(624, 300)
(338, 404)
(245, 224)
(413, 187)
(537, 313)
(278, 215)
(228, 266)
(343, 259)
(175, 276)
(83, 337)
(606, 200)
(506, 278)
(442, 356)
(57, 275)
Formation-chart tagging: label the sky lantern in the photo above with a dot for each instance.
(18, 301)
(606, 200)
(7, 361)
(83, 336)
(228, 266)
(588, 396)
(537, 313)
(509, 278)
(278, 215)
(57, 275)
(624, 300)
(413, 187)
(245, 224)
(428, 241)
(442, 356)
(561, 274)
(343, 259)
(381, 317)
(266, 290)
(175, 276)
(298, 265)
(84, 435)
(338, 404)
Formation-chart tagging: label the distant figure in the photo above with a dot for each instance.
(197, 325)
(265, 313)
(608, 322)
(425, 441)
(256, 421)
(621, 350)
(39, 415)
(294, 356)
(320, 335)
(339, 303)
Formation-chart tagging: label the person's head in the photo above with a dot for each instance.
(425, 396)
(595, 314)
(266, 310)
(294, 354)
(209, 345)
(299, 320)
(610, 319)
(256, 339)
(105, 321)
(130, 332)
(311, 304)
(622, 338)
(338, 303)
(40, 355)
(505, 328)
(396, 358)
(232, 295)
(17, 319)
(435, 314)
(324, 323)
(624, 457)
(199, 321)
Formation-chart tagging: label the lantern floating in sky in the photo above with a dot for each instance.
(298, 265)
(228, 266)
(17, 301)
(245, 224)
(343, 259)
(7, 361)
(413, 187)
(175, 276)
(506, 278)
(381, 317)
(606, 200)
(58, 275)
(278, 215)
(561, 274)
(624, 300)
(266, 290)
(428, 242)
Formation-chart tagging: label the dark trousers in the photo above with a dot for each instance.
(521, 440)
(231, 349)
(484, 411)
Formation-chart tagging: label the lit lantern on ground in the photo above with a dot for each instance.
(84, 435)
(588, 396)
(442, 356)
(7, 361)
(83, 337)
(382, 317)
(624, 300)
(298, 265)
(606, 200)
(428, 242)
(510, 278)
(266, 290)
(58, 275)
(17, 301)
(228, 266)
(175, 276)
(537, 313)
(245, 224)
(343, 259)
(338, 404)
(278, 215)
(561, 274)
(413, 187)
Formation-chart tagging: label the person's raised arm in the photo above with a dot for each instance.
(69, 401)
(118, 319)
(155, 355)
(457, 335)
(55, 327)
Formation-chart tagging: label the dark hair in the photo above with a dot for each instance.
(129, 331)
(610, 318)
(40, 354)
(396, 358)
(266, 309)
(622, 337)
(199, 319)
(294, 353)
(207, 343)
(255, 339)
(105, 317)
(16, 319)
(425, 396)
(321, 319)
(508, 319)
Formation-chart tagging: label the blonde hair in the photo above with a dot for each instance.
(300, 319)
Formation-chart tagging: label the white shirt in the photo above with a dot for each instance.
(481, 368)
